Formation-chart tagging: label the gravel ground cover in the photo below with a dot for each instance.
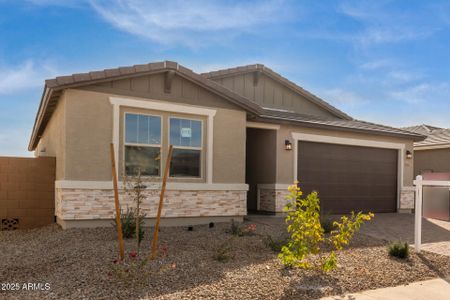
(79, 264)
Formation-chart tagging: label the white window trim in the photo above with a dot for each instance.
(117, 102)
(297, 136)
(201, 148)
(124, 130)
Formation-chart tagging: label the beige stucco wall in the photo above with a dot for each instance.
(89, 119)
(52, 142)
(272, 94)
(285, 159)
(436, 160)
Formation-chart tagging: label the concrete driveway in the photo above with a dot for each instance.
(393, 227)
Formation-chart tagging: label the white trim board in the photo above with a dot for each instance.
(297, 136)
(431, 147)
(117, 102)
(263, 125)
(106, 185)
(345, 141)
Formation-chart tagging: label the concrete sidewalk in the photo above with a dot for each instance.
(434, 289)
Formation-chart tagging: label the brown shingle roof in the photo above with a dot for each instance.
(54, 87)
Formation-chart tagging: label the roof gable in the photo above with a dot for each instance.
(269, 89)
(54, 87)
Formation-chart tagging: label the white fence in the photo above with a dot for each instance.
(420, 183)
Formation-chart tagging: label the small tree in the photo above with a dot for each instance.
(307, 235)
(135, 189)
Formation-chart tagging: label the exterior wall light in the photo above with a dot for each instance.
(408, 154)
(287, 145)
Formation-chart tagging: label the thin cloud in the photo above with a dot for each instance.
(400, 76)
(421, 92)
(381, 24)
(376, 64)
(343, 97)
(24, 76)
(14, 142)
(61, 3)
(188, 22)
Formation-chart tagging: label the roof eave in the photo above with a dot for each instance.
(278, 120)
(46, 93)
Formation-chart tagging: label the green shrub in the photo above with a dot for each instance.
(275, 243)
(235, 228)
(128, 220)
(399, 250)
(223, 252)
(307, 235)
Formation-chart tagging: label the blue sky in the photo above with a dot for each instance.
(381, 61)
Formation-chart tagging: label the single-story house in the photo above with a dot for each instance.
(433, 153)
(241, 136)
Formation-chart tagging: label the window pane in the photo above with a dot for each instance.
(154, 133)
(147, 159)
(131, 122)
(185, 132)
(196, 140)
(142, 129)
(185, 163)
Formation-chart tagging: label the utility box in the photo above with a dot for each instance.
(436, 199)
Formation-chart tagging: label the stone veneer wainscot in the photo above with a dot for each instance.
(94, 204)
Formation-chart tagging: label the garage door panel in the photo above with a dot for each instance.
(349, 177)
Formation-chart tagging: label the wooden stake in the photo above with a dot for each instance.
(117, 204)
(161, 198)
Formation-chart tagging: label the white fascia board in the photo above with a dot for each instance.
(261, 125)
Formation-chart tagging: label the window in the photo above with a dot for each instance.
(186, 138)
(142, 144)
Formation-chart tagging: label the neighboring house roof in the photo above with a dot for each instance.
(422, 128)
(54, 87)
(438, 138)
(277, 77)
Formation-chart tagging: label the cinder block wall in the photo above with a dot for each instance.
(26, 192)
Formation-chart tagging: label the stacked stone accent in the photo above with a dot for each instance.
(407, 198)
(92, 204)
(272, 199)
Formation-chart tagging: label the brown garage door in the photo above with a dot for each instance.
(349, 178)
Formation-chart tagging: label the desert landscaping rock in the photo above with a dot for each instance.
(79, 264)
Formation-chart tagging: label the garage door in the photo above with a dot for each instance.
(349, 178)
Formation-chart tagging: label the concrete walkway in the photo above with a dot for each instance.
(435, 289)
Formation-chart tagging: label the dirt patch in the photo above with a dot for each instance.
(78, 264)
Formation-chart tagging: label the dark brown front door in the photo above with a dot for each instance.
(349, 178)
